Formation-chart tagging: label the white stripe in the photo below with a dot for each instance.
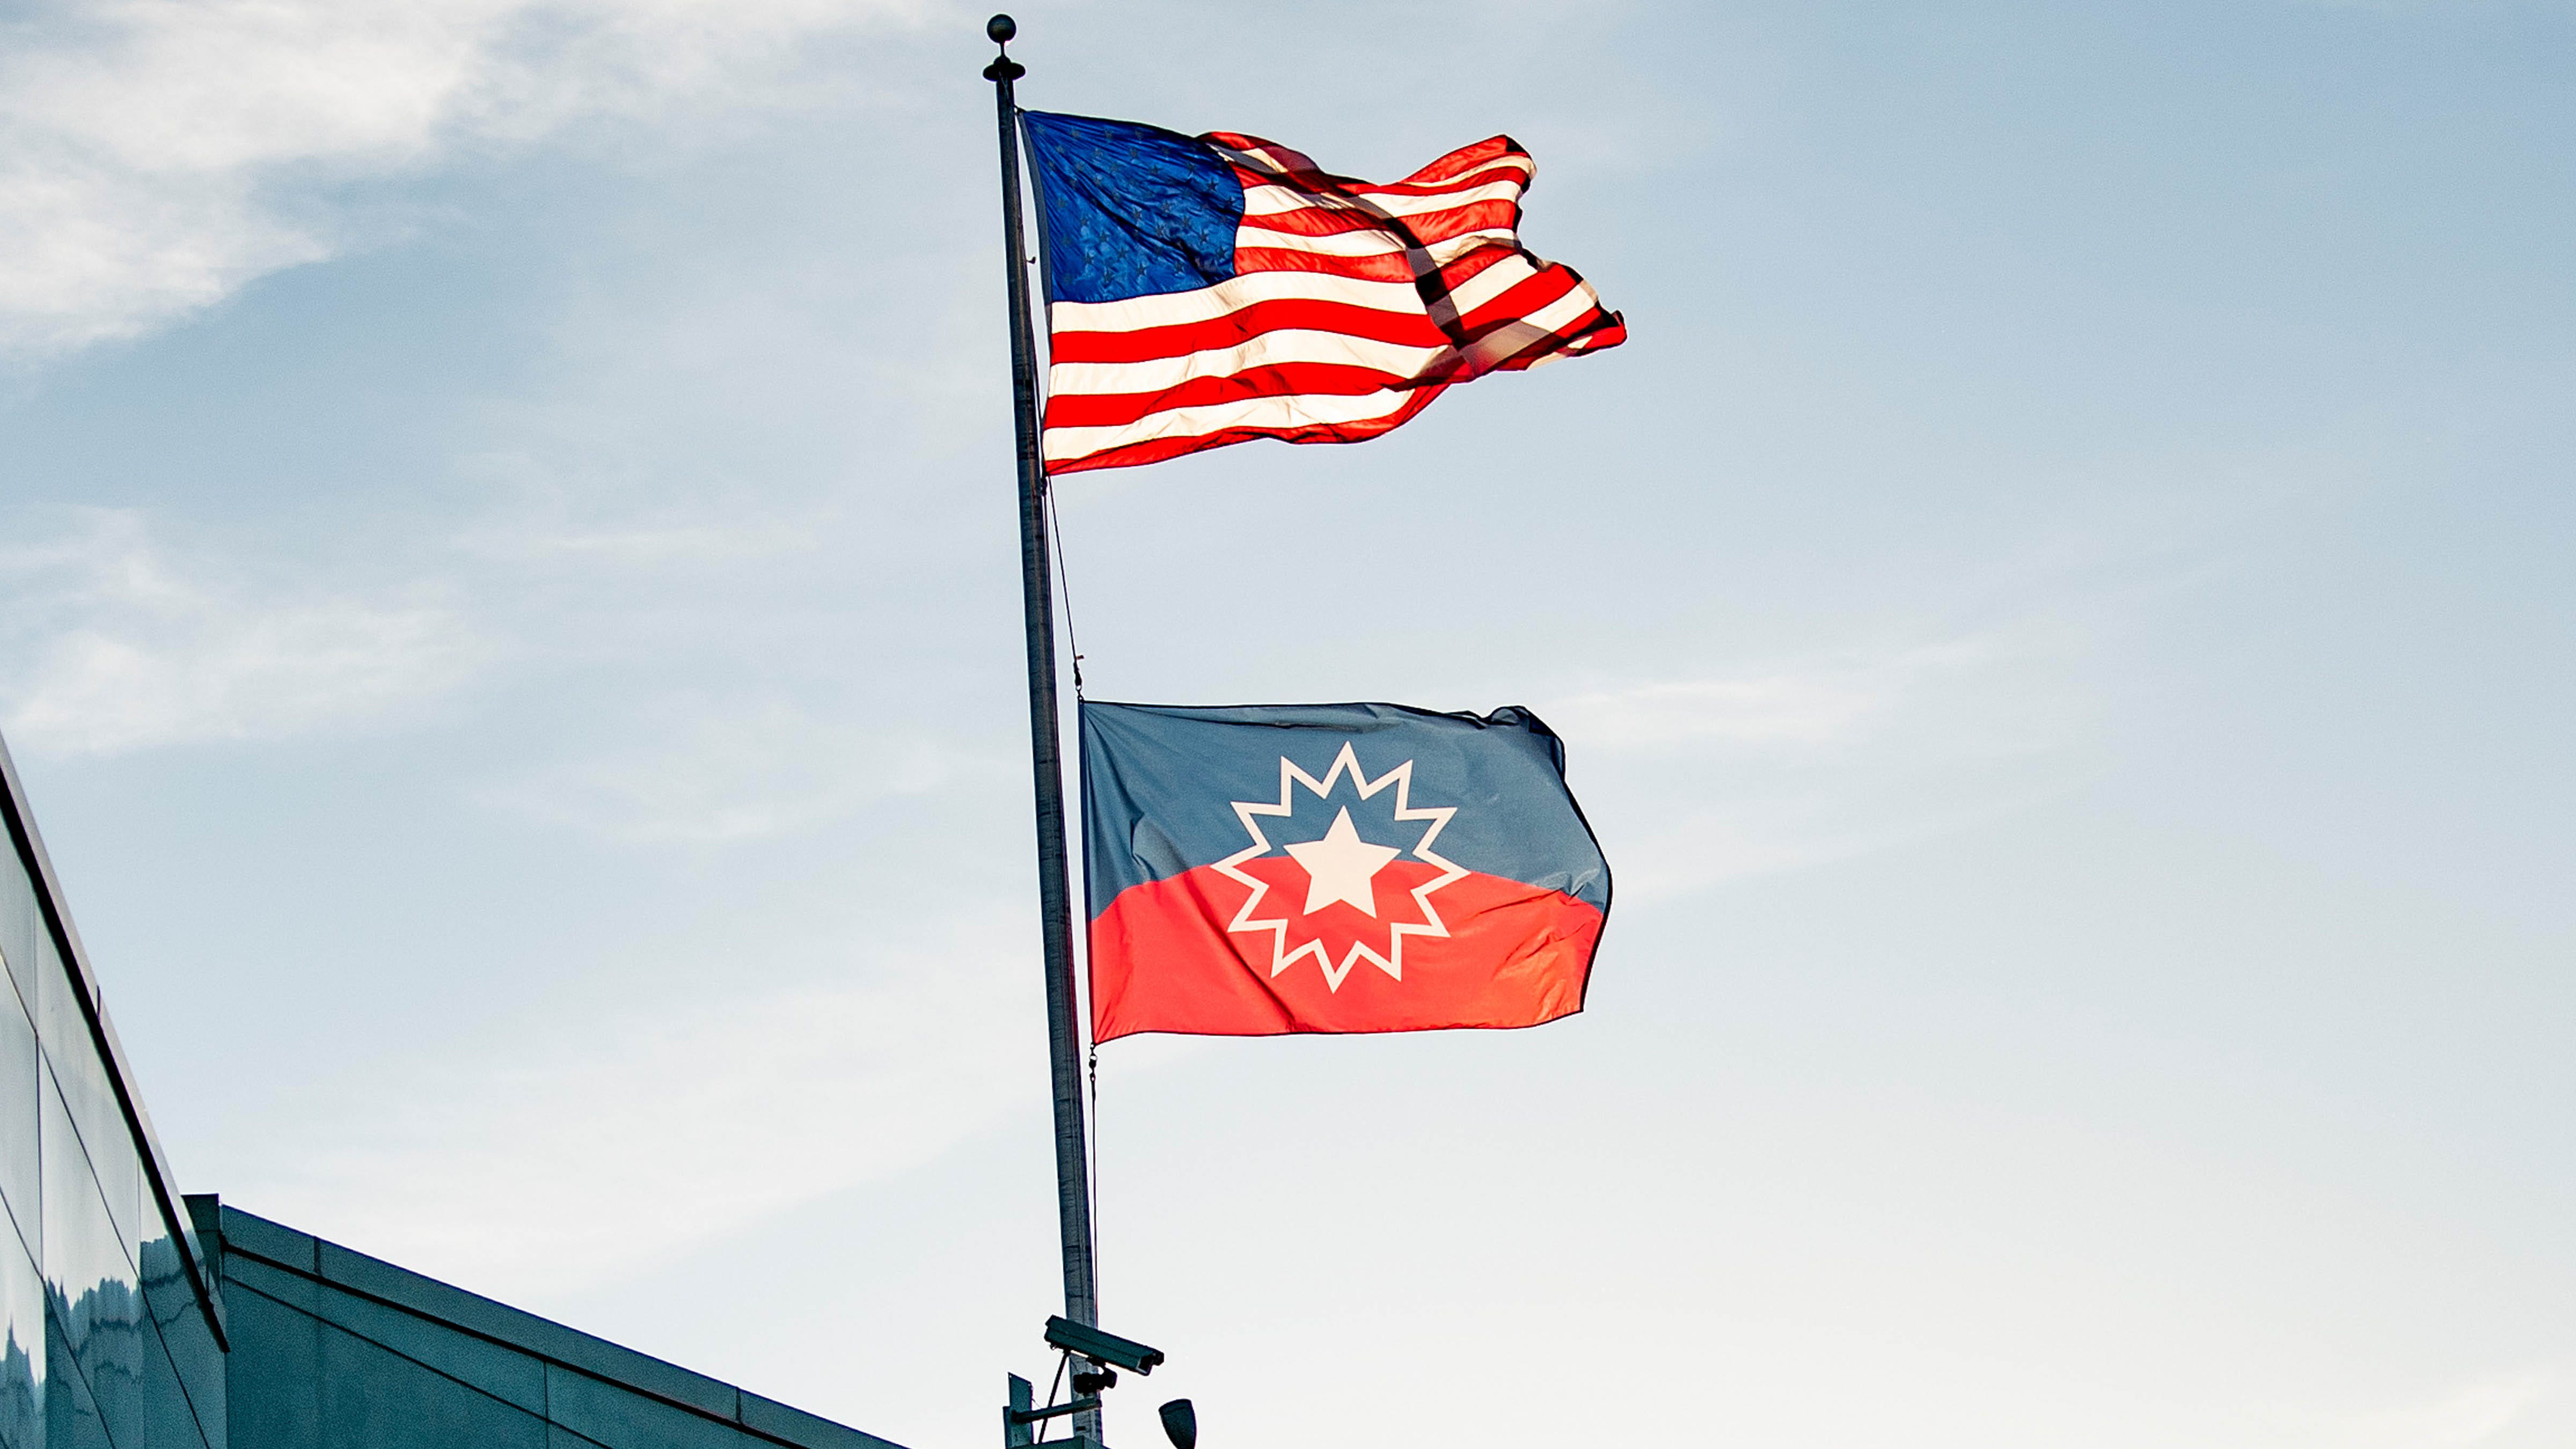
(1372, 243)
(1260, 164)
(1205, 304)
(1444, 252)
(1567, 310)
(1576, 348)
(1481, 289)
(1384, 193)
(1268, 349)
(1501, 311)
(1276, 200)
(1272, 158)
(1064, 444)
(1563, 311)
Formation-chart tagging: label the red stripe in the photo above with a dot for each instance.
(1317, 221)
(1294, 161)
(1592, 332)
(1456, 221)
(1429, 226)
(1599, 330)
(1348, 319)
(1288, 379)
(1464, 160)
(1384, 267)
(1460, 270)
(1316, 184)
(1512, 173)
(1156, 450)
(1569, 338)
(1440, 175)
(1316, 379)
(1609, 329)
(1520, 300)
(1408, 329)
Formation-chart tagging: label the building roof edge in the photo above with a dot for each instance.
(30, 846)
(348, 1271)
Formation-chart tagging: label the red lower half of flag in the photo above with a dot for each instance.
(1237, 952)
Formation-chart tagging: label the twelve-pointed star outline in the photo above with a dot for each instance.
(1341, 866)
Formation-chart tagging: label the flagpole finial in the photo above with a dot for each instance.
(1003, 69)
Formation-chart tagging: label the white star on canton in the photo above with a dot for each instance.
(1341, 866)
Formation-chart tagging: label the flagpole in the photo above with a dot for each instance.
(1046, 749)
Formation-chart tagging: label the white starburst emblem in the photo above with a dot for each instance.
(1340, 867)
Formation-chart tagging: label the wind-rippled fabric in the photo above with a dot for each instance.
(1258, 870)
(1215, 289)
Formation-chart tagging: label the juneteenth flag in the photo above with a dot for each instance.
(1214, 289)
(1258, 870)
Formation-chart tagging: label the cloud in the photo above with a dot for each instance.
(757, 772)
(554, 1164)
(1697, 780)
(157, 154)
(112, 647)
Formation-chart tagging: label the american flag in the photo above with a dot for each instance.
(1215, 289)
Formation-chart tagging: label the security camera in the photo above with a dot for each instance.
(1101, 1347)
(1181, 1424)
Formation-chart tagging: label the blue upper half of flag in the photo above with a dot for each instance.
(1129, 210)
(1161, 782)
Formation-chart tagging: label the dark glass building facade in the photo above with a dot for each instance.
(134, 1318)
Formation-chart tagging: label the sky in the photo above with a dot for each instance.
(2060, 617)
